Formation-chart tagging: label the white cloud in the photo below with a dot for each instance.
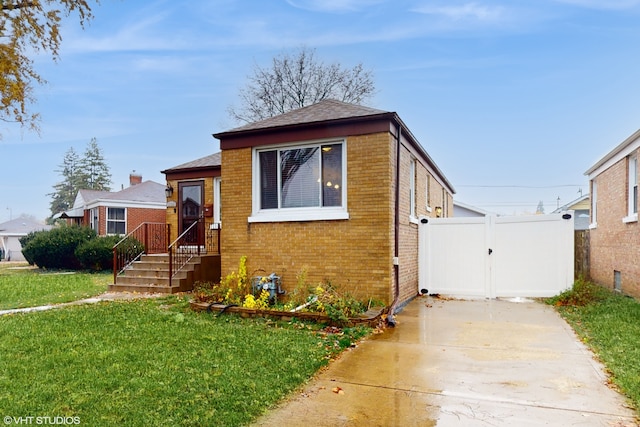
(604, 4)
(468, 11)
(163, 64)
(144, 34)
(335, 6)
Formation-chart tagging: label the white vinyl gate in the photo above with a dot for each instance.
(492, 257)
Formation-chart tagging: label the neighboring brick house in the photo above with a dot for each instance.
(614, 229)
(118, 212)
(315, 190)
(194, 190)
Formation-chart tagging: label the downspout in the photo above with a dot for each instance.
(391, 321)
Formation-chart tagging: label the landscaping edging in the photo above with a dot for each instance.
(371, 318)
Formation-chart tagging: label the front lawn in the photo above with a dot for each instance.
(609, 324)
(154, 362)
(22, 286)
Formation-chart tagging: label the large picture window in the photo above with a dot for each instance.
(116, 222)
(300, 178)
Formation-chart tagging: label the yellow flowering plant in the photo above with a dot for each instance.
(231, 290)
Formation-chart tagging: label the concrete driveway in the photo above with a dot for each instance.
(462, 363)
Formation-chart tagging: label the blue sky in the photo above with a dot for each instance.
(514, 100)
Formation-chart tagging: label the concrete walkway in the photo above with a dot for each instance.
(462, 363)
(107, 296)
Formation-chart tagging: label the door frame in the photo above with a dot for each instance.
(199, 215)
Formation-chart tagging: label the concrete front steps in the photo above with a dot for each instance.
(151, 274)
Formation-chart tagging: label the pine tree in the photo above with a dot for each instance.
(93, 171)
(66, 190)
(89, 172)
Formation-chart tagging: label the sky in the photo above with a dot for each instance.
(514, 100)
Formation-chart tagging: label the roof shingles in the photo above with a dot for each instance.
(326, 110)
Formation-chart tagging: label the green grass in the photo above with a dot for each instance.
(609, 324)
(29, 287)
(154, 362)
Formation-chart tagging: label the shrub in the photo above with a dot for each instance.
(56, 248)
(97, 254)
(582, 293)
(231, 289)
(326, 298)
(27, 251)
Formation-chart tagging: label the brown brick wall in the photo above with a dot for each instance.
(438, 196)
(615, 245)
(136, 216)
(355, 254)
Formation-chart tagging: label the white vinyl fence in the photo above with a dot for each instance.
(492, 257)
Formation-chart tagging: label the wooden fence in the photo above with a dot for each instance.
(581, 257)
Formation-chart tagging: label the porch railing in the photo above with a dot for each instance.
(202, 237)
(147, 238)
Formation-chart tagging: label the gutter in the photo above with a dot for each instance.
(391, 321)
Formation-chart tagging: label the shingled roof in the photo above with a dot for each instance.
(326, 110)
(212, 160)
(327, 118)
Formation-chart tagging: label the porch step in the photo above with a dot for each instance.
(151, 274)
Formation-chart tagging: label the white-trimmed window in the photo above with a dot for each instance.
(93, 220)
(217, 207)
(300, 182)
(116, 221)
(632, 195)
(412, 188)
(427, 194)
(594, 204)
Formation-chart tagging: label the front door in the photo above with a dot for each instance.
(191, 198)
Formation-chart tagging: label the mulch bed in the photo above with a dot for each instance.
(371, 318)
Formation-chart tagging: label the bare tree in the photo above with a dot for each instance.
(298, 79)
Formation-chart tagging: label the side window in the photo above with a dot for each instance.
(217, 201)
(116, 221)
(427, 193)
(594, 202)
(412, 188)
(633, 186)
(93, 220)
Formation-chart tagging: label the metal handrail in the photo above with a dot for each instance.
(184, 254)
(150, 238)
(181, 251)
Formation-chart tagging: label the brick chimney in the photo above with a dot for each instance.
(134, 178)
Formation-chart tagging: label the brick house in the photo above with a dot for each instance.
(118, 212)
(614, 230)
(335, 190)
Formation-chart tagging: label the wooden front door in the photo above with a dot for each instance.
(191, 210)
